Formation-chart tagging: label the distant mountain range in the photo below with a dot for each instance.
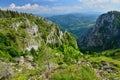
(76, 23)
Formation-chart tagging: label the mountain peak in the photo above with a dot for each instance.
(105, 34)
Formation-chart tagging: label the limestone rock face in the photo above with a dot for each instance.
(6, 71)
(105, 34)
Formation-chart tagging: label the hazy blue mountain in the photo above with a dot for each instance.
(76, 23)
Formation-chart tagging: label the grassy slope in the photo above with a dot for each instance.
(66, 61)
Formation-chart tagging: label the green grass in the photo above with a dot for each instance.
(99, 61)
(74, 72)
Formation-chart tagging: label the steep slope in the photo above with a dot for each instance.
(29, 43)
(32, 48)
(101, 45)
(31, 32)
(75, 23)
(105, 35)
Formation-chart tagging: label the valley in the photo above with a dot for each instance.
(76, 23)
(34, 48)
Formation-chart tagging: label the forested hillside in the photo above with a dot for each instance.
(75, 23)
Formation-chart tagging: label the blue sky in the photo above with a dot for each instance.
(60, 6)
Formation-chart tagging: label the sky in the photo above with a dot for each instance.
(60, 6)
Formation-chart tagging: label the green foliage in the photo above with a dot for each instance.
(4, 56)
(6, 42)
(33, 52)
(20, 77)
(13, 14)
(26, 74)
(75, 23)
(76, 73)
(24, 26)
(71, 55)
(87, 73)
(115, 53)
(13, 51)
(64, 77)
(102, 61)
(18, 32)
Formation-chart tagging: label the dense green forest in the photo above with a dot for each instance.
(76, 23)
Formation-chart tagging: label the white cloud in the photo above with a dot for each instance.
(35, 8)
(99, 1)
(12, 5)
(26, 6)
(29, 8)
(85, 5)
(100, 5)
(115, 1)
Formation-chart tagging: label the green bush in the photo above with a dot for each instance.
(87, 73)
(13, 51)
(4, 56)
(76, 73)
(64, 77)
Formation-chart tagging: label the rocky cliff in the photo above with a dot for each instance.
(28, 43)
(26, 31)
(105, 34)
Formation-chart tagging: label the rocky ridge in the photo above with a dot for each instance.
(105, 34)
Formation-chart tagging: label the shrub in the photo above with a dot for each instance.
(13, 51)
